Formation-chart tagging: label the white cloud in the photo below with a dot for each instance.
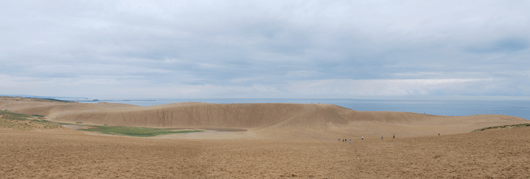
(265, 48)
(387, 87)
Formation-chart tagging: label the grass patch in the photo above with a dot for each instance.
(18, 98)
(21, 122)
(63, 123)
(16, 125)
(51, 100)
(502, 127)
(13, 116)
(135, 131)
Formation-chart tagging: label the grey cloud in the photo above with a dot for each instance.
(271, 43)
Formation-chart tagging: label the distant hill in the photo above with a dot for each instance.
(316, 121)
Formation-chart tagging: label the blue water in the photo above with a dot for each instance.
(436, 107)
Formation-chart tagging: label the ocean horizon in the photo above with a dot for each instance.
(518, 108)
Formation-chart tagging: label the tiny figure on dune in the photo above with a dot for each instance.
(394, 136)
(438, 134)
(362, 138)
(350, 141)
(339, 139)
(381, 137)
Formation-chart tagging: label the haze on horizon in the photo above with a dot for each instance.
(265, 49)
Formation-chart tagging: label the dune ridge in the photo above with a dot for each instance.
(317, 121)
(300, 140)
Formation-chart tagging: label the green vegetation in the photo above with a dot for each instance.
(49, 125)
(13, 116)
(49, 100)
(135, 131)
(63, 123)
(505, 126)
(21, 122)
(18, 98)
(12, 124)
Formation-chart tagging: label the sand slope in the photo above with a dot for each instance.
(71, 154)
(280, 120)
(316, 153)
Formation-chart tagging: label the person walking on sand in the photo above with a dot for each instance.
(362, 137)
(381, 137)
(350, 141)
(394, 136)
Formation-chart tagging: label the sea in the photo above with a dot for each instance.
(518, 108)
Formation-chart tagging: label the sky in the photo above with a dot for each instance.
(266, 49)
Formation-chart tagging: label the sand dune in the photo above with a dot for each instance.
(72, 154)
(316, 153)
(271, 120)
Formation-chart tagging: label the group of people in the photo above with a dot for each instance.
(362, 138)
(345, 140)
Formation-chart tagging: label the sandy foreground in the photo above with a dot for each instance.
(280, 141)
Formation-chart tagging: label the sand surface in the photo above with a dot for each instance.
(70, 154)
(280, 141)
(265, 121)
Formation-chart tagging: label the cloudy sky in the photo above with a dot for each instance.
(265, 49)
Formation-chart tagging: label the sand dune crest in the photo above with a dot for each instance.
(318, 121)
